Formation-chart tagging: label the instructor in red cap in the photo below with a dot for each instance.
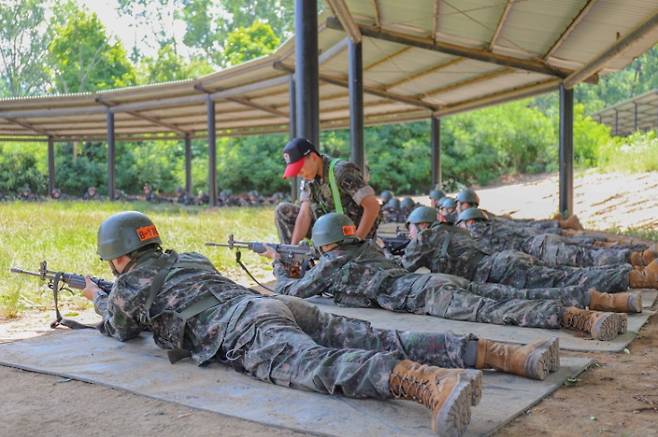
(329, 185)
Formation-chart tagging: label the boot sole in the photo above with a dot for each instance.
(475, 379)
(635, 303)
(609, 327)
(544, 359)
(455, 413)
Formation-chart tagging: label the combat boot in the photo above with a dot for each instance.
(615, 302)
(599, 325)
(643, 258)
(533, 361)
(645, 278)
(571, 222)
(449, 393)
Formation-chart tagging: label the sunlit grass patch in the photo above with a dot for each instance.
(64, 234)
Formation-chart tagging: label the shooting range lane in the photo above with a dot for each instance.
(569, 340)
(139, 367)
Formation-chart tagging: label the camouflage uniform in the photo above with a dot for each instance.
(277, 340)
(353, 189)
(452, 250)
(392, 215)
(550, 249)
(535, 226)
(359, 275)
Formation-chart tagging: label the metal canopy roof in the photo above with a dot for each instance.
(420, 57)
(628, 116)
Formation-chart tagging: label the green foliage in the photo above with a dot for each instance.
(169, 65)
(83, 59)
(636, 153)
(19, 170)
(588, 138)
(24, 38)
(245, 43)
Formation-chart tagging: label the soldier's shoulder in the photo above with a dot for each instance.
(346, 168)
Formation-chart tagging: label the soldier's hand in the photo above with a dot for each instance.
(270, 253)
(91, 289)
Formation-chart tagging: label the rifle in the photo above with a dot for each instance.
(396, 245)
(297, 259)
(58, 281)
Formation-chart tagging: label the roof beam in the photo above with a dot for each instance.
(342, 12)
(332, 51)
(387, 58)
(60, 112)
(435, 19)
(501, 24)
(577, 19)
(535, 65)
(136, 114)
(366, 89)
(597, 63)
(243, 101)
(473, 80)
(430, 70)
(499, 97)
(26, 125)
(378, 13)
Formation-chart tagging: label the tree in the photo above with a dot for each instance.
(246, 43)
(83, 59)
(23, 42)
(168, 66)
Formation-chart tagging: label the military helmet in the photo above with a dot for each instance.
(407, 203)
(393, 203)
(386, 196)
(469, 196)
(333, 228)
(422, 214)
(472, 214)
(437, 195)
(125, 232)
(448, 202)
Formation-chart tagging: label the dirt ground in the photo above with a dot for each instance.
(619, 396)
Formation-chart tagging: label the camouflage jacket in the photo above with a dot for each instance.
(359, 275)
(446, 249)
(353, 189)
(499, 235)
(529, 225)
(189, 278)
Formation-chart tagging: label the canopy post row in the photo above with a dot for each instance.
(566, 151)
(111, 155)
(51, 165)
(212, 153)
(307, 95)
(436, 152)
(356, 105)
(292, 130)
(188, 167)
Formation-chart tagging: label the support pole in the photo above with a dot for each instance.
(110, 156)
(356, 104)
(566, 151)
(616, 122)
(51, 165)
(292, 130)
(635, 116)
(306, 73)
(212, 153)
(188, 167)
(436, 152)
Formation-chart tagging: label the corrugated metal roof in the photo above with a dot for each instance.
(420, 56)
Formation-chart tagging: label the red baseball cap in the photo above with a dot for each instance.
(294, 153)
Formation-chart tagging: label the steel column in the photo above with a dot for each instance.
(188, 167)
(356, 104)
(306, 71)
(212, 153)
(635, 116)
(51, 165)
(292, 130)
(436, 152)
(111, 153)
(566, 151)
(616, 122)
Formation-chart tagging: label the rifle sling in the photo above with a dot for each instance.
(335, 193)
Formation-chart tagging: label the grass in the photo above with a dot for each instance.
(64, 234)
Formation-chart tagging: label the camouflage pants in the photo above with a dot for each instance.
(451, 297)
(521, 270)
(331, 330)
(285, 216)
(554, 250)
